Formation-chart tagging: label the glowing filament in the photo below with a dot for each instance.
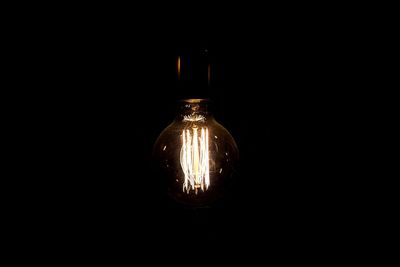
(195, 159)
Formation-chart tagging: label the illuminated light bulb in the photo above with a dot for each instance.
(196, 155)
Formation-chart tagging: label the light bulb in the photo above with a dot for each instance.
(196, 155)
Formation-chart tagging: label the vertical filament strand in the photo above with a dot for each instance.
(194, 159)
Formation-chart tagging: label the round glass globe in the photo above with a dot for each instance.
(196, 155)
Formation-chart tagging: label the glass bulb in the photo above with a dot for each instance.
(195, 154)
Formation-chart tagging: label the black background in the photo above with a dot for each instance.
(280, 87)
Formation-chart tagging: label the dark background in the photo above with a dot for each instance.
(280, 87)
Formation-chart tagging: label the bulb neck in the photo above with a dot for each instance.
(192, 110)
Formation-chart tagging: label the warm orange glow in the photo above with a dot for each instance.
(179, 67)
(194, 159)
